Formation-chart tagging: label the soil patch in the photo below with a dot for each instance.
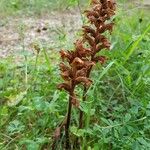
(19, 32)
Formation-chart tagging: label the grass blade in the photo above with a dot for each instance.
(135, 44)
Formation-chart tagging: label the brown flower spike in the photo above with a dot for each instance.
(76, 65)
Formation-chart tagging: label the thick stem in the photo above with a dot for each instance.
(68, 121)
(56, 139)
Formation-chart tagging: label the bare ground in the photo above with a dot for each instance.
(19, 32)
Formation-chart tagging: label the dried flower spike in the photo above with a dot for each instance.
(77, 65)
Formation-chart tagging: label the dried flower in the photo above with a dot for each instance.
(79, 63)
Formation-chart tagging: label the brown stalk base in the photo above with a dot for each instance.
(56, 139)
(68, 122)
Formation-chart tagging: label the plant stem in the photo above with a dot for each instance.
(26, 72)
(63, 123)
(68, 121)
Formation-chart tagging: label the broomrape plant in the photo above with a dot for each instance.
(77, 65)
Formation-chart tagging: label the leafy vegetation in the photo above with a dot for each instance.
(36, 7)
(117, 112)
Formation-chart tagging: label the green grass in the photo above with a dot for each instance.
(118, 107)
(36, 7)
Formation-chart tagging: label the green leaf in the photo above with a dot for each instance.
(77, 132)
(106, 121)
(135, 44)
(127, 117)
(15, 100)
(136, 146)
(15, 126)
(105, 70)
(96, 146)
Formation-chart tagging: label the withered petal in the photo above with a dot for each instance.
(67, 55)
(77, 62)
(106, 43)
(99, 47)
(106, 27)
(101, 59)
(90, 30)
(92, 13)
(63, 67)
(83, 80)
(65, 75)
(90, 40)
(66, 86)
(81, 73)
(95, 2)
(79, 45)
(64, 54)
(89, 64)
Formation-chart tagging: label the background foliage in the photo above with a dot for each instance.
(118, 107)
